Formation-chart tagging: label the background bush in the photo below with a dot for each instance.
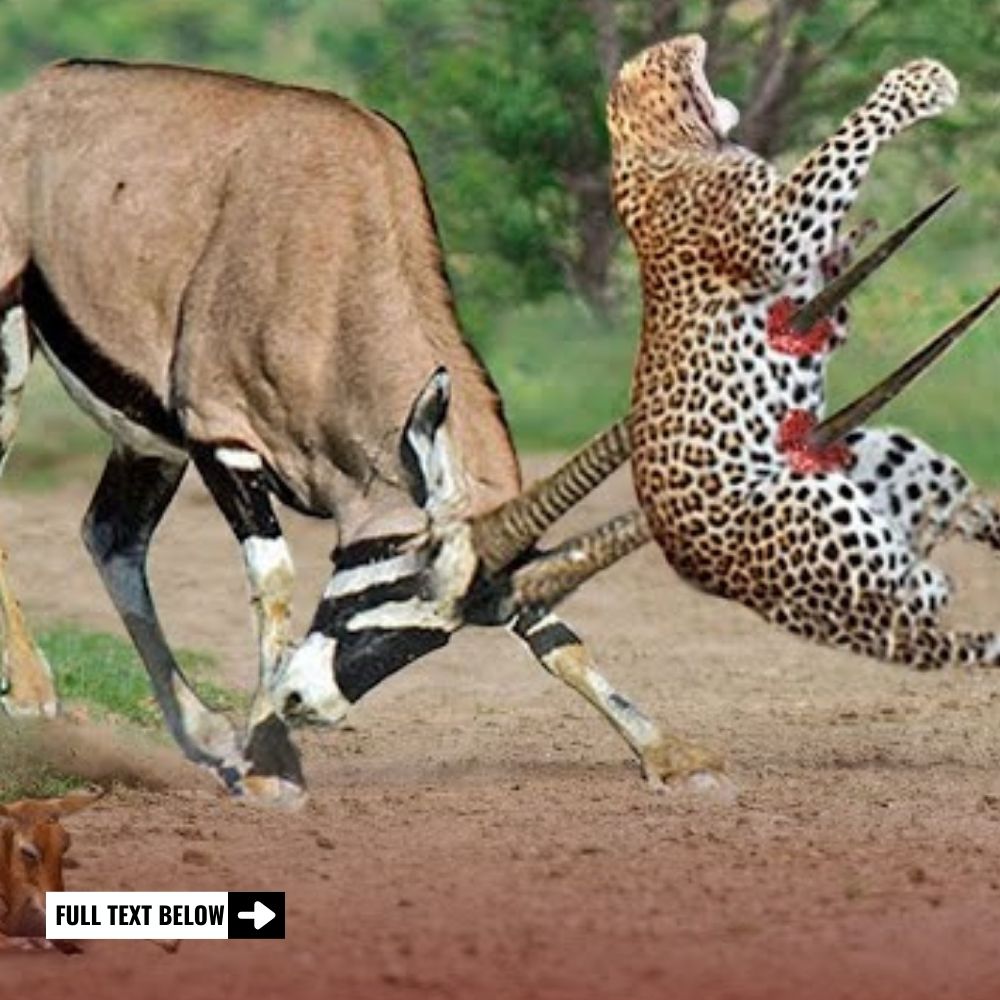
(504, 104)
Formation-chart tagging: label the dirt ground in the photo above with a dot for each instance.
(478, 832)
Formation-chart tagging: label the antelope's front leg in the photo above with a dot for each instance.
(665, 758)
(131, 498)
(235, 477)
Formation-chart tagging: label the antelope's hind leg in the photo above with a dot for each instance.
(666, 759)
(130, 500)
(26, 685)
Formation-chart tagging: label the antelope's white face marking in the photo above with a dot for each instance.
(239, 458)
(437, 569)
(407, 597)
(305, 686)
(358, 579)
(412, 613)
(443, 584)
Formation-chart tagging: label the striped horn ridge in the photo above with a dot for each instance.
(824, 303)
(545, 581)
(509, 530)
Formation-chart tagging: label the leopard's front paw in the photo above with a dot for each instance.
(922, 88)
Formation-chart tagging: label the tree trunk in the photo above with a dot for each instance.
(589, 265)
(784, 60)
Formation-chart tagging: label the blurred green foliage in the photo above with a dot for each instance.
(279, 39)
(504, 104)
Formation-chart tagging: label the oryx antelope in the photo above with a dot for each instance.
(248, 277)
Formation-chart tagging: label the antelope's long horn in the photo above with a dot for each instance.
(548, 579)
(855, 414)
(501, 535)
(834, 293)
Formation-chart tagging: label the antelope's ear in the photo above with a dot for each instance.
(428, 453)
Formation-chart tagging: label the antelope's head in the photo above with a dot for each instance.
(394, 598)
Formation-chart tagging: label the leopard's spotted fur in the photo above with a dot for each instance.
(838, 555)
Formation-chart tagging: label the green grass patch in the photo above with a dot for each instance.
(122, 738)
(104, 672)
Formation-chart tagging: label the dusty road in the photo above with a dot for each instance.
(477, 832)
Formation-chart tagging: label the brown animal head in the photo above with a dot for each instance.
(33, 844)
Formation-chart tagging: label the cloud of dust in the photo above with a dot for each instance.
(101, 753)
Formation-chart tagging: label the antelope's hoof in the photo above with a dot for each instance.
(271, 792)
(706, 784)
(677, 765)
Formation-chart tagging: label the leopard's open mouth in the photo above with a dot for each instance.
(720, 116)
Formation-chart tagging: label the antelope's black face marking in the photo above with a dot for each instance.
(395, 597)
(390, 600)
(364, 659)
(368, 551)
(381, 610)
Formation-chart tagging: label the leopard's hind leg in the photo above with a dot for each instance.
(848, 574)
(886, 629)
(979, 520)
(925, 493)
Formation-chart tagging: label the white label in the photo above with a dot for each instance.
(84, 916)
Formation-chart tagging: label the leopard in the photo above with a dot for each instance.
(830, 544)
